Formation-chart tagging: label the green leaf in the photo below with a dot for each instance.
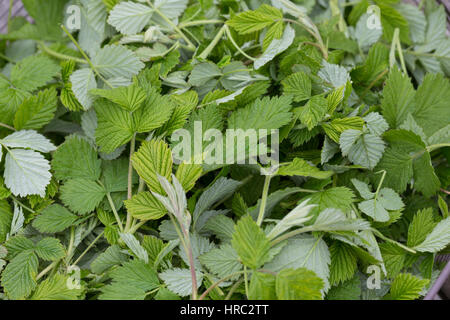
(252, 21)
(19, 276)
(398, 98)
(114, 61)
(33, 72)
(112, 256)
(432, 99)
(407, 157)
(130, 98)
(131, 282)
(222, 261)
(81, 195)
(407, 287)
(76, 158)
(363, 149)
(153, 158)
(130, 17)
(298, 85)
(188, 174)
(250, 243)
(349, 290)
(298, 284)
(394, 258)
(204, 72)
(308, 252)
(343, 263)
(115, 126)
(50, 249)
(262, 287)
(83, 81)
(55, 288)
(438, 239)
(313, 112)
(145, 206)
(18, 244)
(54, 218)
(276, 47)
(134, 245)
(36, 111)
(179, 280)
(299, 167)
(334, 128)
(337, 197)
(26, 172)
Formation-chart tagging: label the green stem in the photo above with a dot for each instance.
(71, 243)
(22, 205)
(213, 43)
(265, 193)
(89, 247)
(233, 289)
(382, 236)
(199, 23)
(219, 282)
(85, 56)
(59, 55)
(130, 181)
(437, 146)
(47, 269)
(4, 125)
(113, 208)
(230, 36)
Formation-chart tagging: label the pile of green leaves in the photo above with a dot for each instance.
(93, 206)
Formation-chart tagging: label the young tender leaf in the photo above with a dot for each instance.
(153, 158)
(252, 21)
(130, 98)
(36, 111)
(298, 284)
(250, 243)
(394, 258)
(188, 174)
(130, 17)
(407, 287)
(299, 167)
(172, 9)
(145, 206)
(54, 218)
(76, 158)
